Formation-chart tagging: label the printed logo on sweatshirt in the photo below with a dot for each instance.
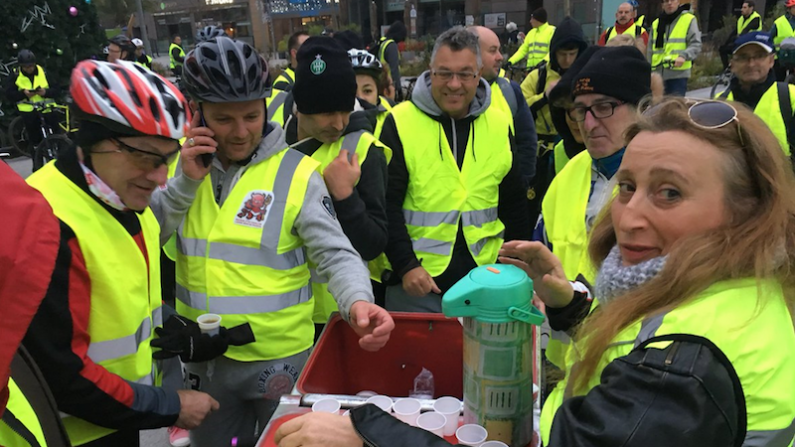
(254, 209)
(276, 380)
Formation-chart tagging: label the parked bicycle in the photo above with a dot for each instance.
(518, 72)
(721, 83)
(407, 91)
(20, 137)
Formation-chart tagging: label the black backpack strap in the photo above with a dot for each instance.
(32, 385)
(725, 93)
(510, 96)
(607, 33)
(785, 104)
(542, 79)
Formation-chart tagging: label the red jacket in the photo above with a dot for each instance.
(28, 248)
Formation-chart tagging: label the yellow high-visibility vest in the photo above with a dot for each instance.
(440, 195)
(23, 83)
(243, 261)
(729, 315)
(675, 44)
(325, 303)
(123, 284)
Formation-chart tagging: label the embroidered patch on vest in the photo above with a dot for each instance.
(277, 380)
(329, 206)
(254, 209)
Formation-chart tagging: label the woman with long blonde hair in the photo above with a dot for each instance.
(692, 341)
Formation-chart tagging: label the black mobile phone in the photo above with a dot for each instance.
(207, 159)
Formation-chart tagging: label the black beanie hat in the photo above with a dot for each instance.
(349, 40)
(540, 14)
(324, 78)
(620, 72)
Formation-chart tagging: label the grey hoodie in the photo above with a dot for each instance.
(326, 245)
(421, 97)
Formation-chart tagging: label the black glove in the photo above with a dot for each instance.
(506, 65)
(181, 336)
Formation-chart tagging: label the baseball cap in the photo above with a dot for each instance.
(138, 43)
(755, 38)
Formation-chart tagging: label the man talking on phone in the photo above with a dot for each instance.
(245, 244)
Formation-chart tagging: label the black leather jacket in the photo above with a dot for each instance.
(687, 395)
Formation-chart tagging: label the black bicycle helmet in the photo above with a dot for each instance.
(209, 33)
(125, 44)
(225, 70)
(26, 57)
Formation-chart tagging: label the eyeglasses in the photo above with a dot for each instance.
(708, 115)
(146, 159)
(748, 58)
(447, 75)
(599, 110)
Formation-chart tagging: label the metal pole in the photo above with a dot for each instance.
(142, 24)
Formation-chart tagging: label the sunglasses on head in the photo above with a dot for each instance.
(708, 115)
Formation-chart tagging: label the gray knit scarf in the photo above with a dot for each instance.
(615, 279)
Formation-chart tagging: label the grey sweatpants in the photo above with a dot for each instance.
(248, 394)
(397, 300)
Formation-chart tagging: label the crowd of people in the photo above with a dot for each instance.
(659, 233)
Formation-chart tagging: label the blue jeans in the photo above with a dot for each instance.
(676, 87)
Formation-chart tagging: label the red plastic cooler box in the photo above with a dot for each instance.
(338, 365)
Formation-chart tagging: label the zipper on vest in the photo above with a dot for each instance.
(455, 142)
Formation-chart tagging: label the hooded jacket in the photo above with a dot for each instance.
(568, 34)
(362, 214)
(512, 207)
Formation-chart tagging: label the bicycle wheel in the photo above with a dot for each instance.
(722, 83)
(49, 149)
(19, 137)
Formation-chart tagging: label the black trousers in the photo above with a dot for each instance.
(33, 125)
(121, 438)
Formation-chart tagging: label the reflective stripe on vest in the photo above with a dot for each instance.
(769, 111)
(742, 23)
(287, 77)
(123, 285)
(275, 105)
(173, 63)
(783, 30)
(538, 49)
(19, 408)
(564, 209)
(634, 31)
(728, 315)
(504, 97)
(440, 194)
(359, 141)
(23, 83)
(675, 43)
(243, 261)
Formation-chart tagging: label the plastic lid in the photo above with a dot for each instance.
(495, 293)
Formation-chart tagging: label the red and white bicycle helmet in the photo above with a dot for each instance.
(790, 3)
(128, 98)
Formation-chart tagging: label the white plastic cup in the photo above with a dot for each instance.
(450, 407)
(382, 402)
(471, 435)
(407, 410)
(327, 405)
(209, 323)
(493, 444)
(433, 422)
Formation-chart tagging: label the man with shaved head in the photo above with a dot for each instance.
(507, 96)
(625, 24)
